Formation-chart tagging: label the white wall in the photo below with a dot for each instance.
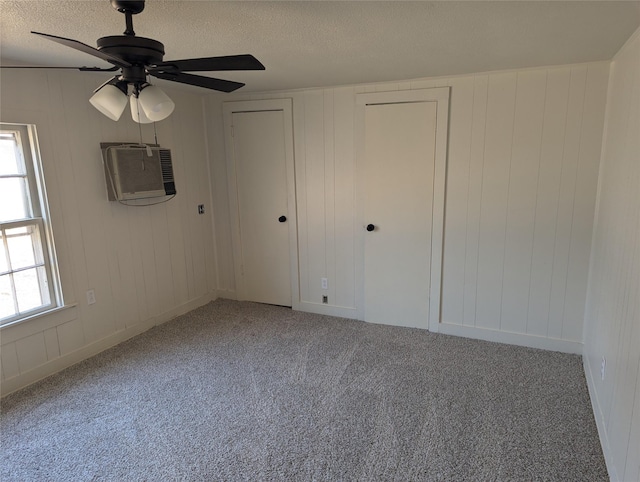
(522, 171)
(612, 321)
(146, 264)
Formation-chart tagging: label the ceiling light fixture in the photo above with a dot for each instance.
(110, 100)
(156, 104)
(137, 112)
(138, 58)
(148, 102)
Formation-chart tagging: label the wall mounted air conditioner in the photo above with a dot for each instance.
(134, 171)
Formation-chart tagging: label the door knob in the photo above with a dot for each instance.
(370, 227)
(282, 219)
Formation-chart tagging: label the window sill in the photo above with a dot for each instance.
(37, 323)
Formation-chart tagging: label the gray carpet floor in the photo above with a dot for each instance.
(242, 391)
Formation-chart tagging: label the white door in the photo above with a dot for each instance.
(398, 169)
(260, 151)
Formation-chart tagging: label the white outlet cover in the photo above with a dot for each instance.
(324, 283)
(91, 297)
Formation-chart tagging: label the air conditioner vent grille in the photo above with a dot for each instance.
(166, 165)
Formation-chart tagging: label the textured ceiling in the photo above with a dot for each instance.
(310, 44)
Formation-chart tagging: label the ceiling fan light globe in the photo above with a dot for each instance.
(156, 104)
(137, 112)
(109, 100)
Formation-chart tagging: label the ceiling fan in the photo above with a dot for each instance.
(137, 58)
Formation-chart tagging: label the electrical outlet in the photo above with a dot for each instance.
(325, 299)
(91, 297)
(323, 281)
(200, 208)
(603, 367)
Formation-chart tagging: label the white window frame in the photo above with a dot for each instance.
(38, 209)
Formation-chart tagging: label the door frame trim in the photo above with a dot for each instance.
(440, 96)
(284, 105)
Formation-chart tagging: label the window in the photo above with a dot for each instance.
(28, 276)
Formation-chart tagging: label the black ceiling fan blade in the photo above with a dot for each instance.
(81, 69)
(228, 62)
(200, 81)
(87, 49)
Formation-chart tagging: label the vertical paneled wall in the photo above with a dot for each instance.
(523, 161)
(325, 188)
(145, 264)
(324, 164)
(612, 321)
(523, 167)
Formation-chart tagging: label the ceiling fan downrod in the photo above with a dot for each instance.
(129, 8)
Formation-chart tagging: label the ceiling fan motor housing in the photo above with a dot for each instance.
(139, 51)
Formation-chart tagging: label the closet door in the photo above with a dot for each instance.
(259, 151)
(397, 172)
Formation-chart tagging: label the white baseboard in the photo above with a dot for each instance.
(599, 416)
(227, 294)
(322, 309)
(520, 339)
(306, 306)
(57, 364)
